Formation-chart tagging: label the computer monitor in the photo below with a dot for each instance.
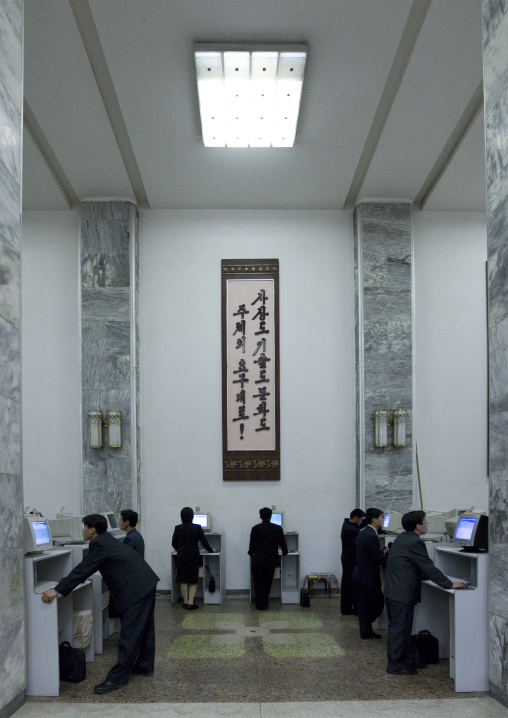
(36, 534)
(67, 529)
(111, 519)
(392, 523)
(472, 532)
(277, 518)
(204, 520)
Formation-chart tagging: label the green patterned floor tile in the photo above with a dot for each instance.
(308, 645)
(200, 647)
(206, 621)
(294, 620)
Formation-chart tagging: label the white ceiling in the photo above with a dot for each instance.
(391, 104)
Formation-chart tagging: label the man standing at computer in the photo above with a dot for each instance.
(132, 584)
(408, 563)
(128, 522)
(348, 588)
(265, 540)
(369, 557)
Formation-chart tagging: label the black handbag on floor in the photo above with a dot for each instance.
(211, 581)
(427, 646)
(72, 663)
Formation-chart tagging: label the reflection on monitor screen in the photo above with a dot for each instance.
(386, 521)
(465, 528)
(278, 518)
(204, 520)
(41, 532)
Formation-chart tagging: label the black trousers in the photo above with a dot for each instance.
(262, 577)
(370, 607)
(136, 646)
(348, 591)
(400, 623)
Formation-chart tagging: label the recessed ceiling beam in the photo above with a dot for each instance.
(97, 59)
(41, 142)
(410, 35)
(454, 141)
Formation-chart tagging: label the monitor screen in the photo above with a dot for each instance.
(41, 532)
(36, 534)
(386, 521)
(201, 519)
(465, 528)
(277, 518)
(112, 521)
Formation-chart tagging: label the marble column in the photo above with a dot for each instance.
(495, 64)
(109, 350)
(384, 350)
(12, 609)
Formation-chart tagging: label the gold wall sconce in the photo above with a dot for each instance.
(382, 420)
(112, 422)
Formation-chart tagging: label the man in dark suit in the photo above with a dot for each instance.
(128, 522)
(369, 557)
(132, 584)
(348, 588)
(265, 539)
(408, 562)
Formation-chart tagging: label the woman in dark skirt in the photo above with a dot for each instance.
(186, 538)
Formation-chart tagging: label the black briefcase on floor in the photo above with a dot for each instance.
(427, 646)
(72, 663)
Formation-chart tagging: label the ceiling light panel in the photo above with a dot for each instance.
(249, 97)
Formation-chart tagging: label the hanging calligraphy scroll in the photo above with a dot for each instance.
(250, 370)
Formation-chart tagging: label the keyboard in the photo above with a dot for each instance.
(44, 586)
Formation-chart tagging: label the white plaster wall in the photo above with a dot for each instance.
(451, 358)
(180, 360)
(50, 362)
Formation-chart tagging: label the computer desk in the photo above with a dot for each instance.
(458, 617)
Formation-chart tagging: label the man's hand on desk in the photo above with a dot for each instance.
(459, 584)
(49, 595)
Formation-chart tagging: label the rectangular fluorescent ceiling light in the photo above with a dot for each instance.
(249, 96)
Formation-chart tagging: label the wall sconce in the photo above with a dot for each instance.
(380, 428)
(399, 427)
(382, 422)
(113, 423)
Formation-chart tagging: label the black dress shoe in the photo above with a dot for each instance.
(107, 687)
(193, 606)
(185, 606)
(138, 672)
(404, 672)
(372, 635)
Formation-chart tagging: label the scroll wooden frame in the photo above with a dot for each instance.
(251, 464)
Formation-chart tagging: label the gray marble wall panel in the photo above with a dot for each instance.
(109, 236)
(10, 146)
(12, 662)
(495, 58)
(12, 639)
(384, 331)
(10, 284)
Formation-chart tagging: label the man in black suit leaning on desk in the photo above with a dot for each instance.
(408, 562)
(132, 585)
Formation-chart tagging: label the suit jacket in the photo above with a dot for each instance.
(348, 536)
(135, 541)
(369, 557)
(128, 576)
(186, 540)
(265, 539)
(408, 563)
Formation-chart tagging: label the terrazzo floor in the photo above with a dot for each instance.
(233, 654)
